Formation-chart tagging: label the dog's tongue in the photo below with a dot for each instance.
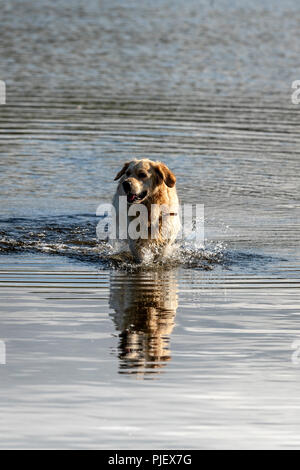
(131, 197)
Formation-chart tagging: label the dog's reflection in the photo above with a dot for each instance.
(144, 307)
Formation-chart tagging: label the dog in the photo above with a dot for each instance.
(153, 185)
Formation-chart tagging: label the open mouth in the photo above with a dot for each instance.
(131, 198)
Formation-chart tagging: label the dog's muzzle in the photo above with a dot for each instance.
(126, 186)
(132, 197)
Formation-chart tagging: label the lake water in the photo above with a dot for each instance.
(201, 353)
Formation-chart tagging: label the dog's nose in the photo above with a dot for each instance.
(126, 186)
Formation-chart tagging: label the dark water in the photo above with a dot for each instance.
(200, 352)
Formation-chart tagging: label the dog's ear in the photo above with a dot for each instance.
(121, 172)
(165, 174)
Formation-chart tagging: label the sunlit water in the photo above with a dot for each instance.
(197, 351)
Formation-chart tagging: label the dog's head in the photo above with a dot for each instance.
(140, 179)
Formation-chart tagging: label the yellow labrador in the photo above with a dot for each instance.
(151, 184)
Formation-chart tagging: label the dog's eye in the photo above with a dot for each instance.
(142, 175)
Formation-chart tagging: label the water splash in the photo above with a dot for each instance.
(74, 236)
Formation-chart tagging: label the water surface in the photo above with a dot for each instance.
(198, 353)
